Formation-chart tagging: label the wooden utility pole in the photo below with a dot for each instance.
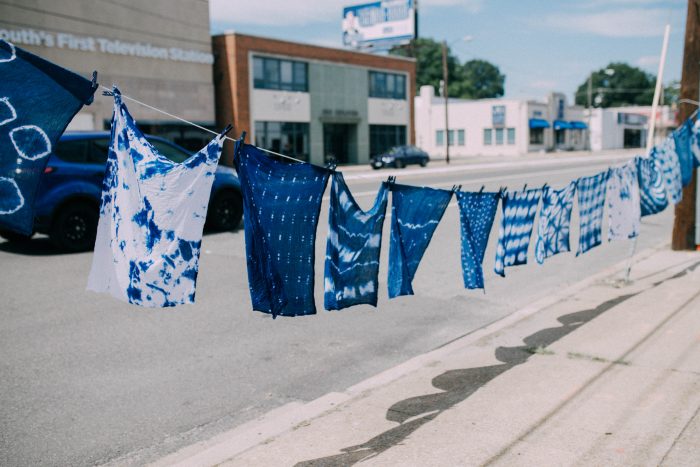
(684, 222)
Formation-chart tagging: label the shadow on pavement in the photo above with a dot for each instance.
(458, 385)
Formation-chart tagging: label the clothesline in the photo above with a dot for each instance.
(124, 96)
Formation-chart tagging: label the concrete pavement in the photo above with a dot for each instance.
(598, 374)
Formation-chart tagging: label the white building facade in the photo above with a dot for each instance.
(627, 127)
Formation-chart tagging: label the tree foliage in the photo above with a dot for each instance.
(475, 79)
(616, 85)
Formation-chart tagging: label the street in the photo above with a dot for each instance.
(90, 380)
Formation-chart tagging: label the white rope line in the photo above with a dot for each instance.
(198, 126)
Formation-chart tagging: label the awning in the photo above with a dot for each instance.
(578, 125)
(561, 125)
(538, 123)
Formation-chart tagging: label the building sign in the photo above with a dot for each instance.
(631, 119)
(70, 41)
(498, 115)
(560, 109)
(384, 23)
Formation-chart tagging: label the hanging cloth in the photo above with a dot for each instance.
(415, 214)
(652, 192)
(281, 206)
(352, 248)
(624, 210)
(686, 158)
(37, 101)
(152, 214)
(555, 222)
(519, 209)
(667, 159)
(695, 142)
(591, 205)
(477, 211)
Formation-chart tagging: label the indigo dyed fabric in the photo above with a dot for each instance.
(353, 247)
(477, 211)
(591, 205)
(652, 192)
(665, 156)
(695, 142)
(37, 101)
(281, 206)
(682, 144)
(555, 221)
(519, 210)
(415, 214)
(151, 217)
(624, 211)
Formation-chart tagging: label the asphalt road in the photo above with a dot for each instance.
(86, 379)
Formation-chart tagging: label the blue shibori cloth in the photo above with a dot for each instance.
(519, 210)
(415, 214)
(682, 144)
(477, 211)
(591, 205)
(281, 206)
(667, 160)
(152, 214)
(624, 210)
(695, 141)
(555, 222)
(352, 249)
(652, 191)
(37, 101)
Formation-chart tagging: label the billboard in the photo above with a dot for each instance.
(379, 24)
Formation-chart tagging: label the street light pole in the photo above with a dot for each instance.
(445, 94)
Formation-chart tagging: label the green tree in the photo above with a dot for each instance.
(616, 85)
(475, 79)
(672, 93)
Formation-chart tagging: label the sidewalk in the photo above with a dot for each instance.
(598, 375)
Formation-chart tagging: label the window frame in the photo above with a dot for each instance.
(379, 85)
(488, 141)
(298, 80)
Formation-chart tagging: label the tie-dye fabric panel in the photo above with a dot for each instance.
(477, 211)
(652, 191)
(281, 206)
(152, 214)
(665, 156)
(37, 101)
(686, 158)
(624, 211)
(352, 248)
(591, 205)
(415, 214)
(555, 222)
(519, 209)
(695, 142)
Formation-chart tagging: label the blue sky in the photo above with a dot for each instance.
(540, 45)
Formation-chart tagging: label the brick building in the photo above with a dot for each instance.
(311, 102)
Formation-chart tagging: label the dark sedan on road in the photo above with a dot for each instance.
(68, 199)
(400, 157)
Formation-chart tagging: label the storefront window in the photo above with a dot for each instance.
(440, 137)
(460, 137)
(384, 137)
(387, 85)
(288, 138)
(511, 135)
(499, 136)
(272, 73)
(536, 135)
(559, 136)
(451, 137)
(488, 136)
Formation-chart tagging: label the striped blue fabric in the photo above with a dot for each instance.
(591, 205)
(352, 248)
(415, 214)
(477, 211)
(686, 158)
(665, 156)
(652, 190)
(519, 210)
(554, 222)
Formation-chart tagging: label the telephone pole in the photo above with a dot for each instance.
(684, 222)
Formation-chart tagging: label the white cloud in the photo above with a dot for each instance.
(648, 61)
(276, 12)
(629, 22)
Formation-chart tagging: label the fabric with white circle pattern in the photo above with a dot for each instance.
(554, 222)
(477, 211)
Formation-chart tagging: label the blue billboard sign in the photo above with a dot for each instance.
(383, 23)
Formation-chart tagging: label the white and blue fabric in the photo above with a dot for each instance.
(652, 191)
(477, 211)
(519, 210)
(352, 248)
(591, 205)
(37, 101)
(152, 214)
(665, 156)
(415, 214)
(695, 141)
(554, 222)
(682, 144)
(624, 212)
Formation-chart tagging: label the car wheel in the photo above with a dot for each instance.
(225, 211)
(74, 227)
(423, 162)
(399, 164)
(15, 237)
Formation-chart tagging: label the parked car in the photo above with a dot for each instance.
(400, 157)
(68, 199)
